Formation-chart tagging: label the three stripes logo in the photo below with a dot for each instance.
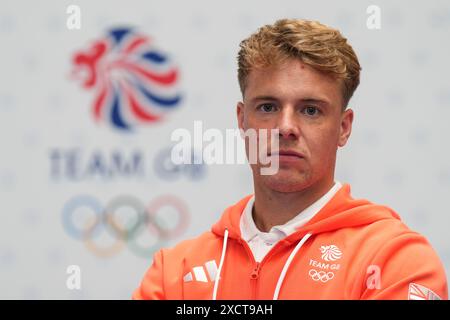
(199, 274)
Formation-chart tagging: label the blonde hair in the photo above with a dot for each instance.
(315, 44)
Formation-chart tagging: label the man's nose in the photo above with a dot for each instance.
(287, 124)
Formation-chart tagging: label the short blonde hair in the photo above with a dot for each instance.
(319, 46)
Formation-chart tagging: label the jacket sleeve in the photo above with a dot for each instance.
(406, 268)
(152, 285)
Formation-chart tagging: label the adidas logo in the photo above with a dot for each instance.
(199, 274)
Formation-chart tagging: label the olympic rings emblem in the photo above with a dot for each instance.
(145, 218)
(321, 275)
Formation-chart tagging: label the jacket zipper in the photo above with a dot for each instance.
(254, 276)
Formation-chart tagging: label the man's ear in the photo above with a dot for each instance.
(240, 115)
(346, 127)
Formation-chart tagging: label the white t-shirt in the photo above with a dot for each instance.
(261, 242)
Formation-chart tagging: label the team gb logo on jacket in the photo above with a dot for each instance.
(324, 271)
(330, 253)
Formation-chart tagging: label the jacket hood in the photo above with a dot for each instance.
(341, 211)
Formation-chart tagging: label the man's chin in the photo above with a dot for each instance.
(283, 183)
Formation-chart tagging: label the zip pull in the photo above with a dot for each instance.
(255, 272)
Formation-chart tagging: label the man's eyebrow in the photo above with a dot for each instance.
(304, 100)
(265, 98)
(315, 101)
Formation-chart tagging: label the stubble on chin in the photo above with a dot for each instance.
(285, 181)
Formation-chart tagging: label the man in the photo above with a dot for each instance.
(301, 235)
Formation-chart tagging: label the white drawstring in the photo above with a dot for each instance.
(287, 264)
(222, 258)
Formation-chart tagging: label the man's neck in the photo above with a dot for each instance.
(273, 208)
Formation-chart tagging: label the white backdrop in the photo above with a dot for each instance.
(53, 150)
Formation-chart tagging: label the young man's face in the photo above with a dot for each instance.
(306, 106)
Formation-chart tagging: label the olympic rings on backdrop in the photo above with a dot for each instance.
(145, 219)
(163, 201)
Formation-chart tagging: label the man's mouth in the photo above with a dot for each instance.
(287, 153)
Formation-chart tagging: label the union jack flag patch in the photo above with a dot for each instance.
(418, 292)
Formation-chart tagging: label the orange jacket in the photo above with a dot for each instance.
(351, 249)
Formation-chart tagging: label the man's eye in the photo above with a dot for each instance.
(267, 107)
(311, 110)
